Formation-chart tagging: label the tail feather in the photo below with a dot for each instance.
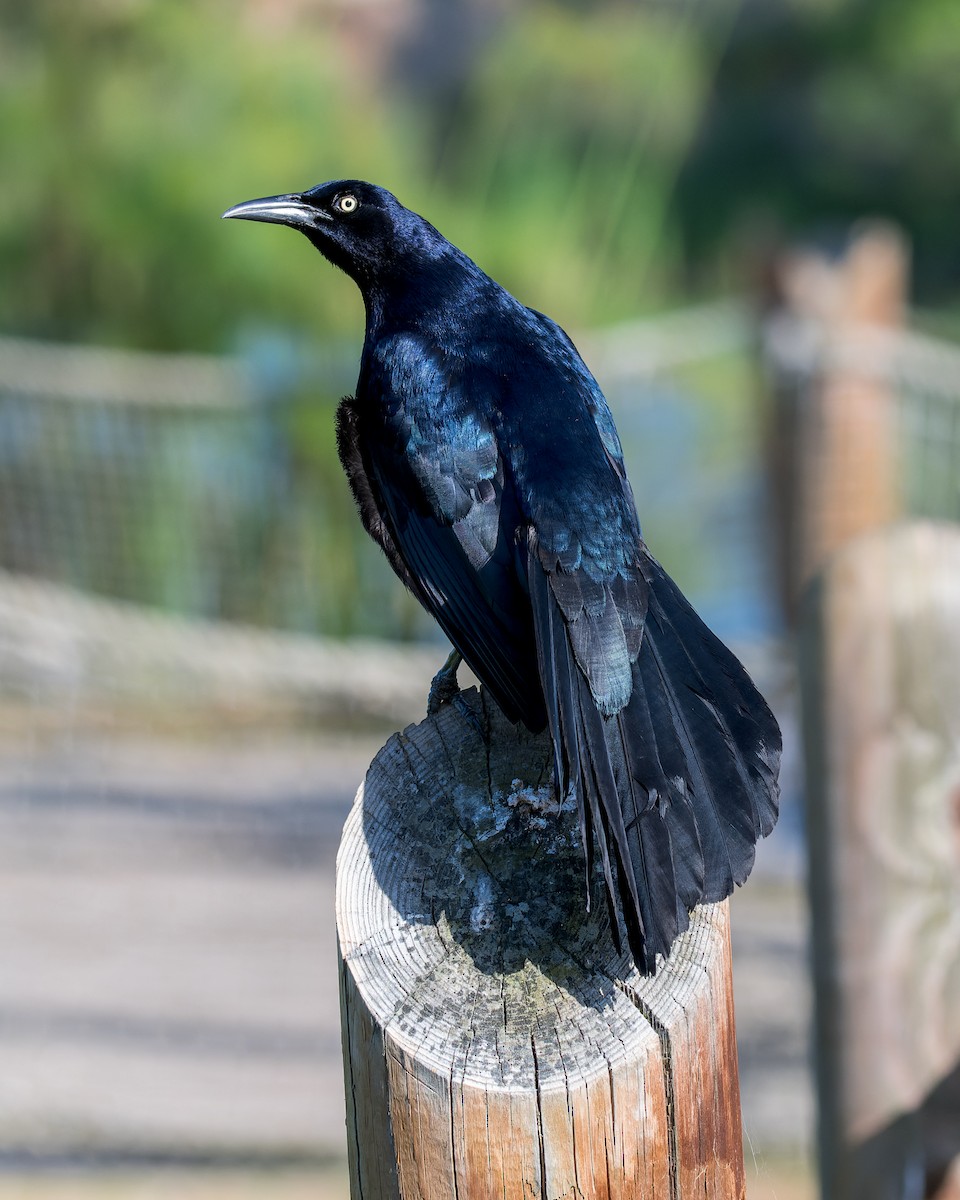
(599, 784)
(703, 781)
(680, 783)
(734, 738)
(558, 675)
(717, 678)
(649, 773)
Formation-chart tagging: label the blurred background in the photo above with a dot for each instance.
(740, 209)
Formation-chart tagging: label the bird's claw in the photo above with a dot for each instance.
(444, 687)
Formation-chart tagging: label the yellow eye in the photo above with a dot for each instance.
(347, 203)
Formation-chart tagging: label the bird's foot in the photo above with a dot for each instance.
(444, 686)
(445, 690)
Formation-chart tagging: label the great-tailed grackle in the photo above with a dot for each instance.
(485, 462)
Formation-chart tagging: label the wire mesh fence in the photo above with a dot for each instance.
(192, 486)
(867, 432)
(200, 489)
(914, 384)
(174, 517)
(177, 483)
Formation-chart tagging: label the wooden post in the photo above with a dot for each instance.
(835, 463)
(495, 1044)
(881, 688)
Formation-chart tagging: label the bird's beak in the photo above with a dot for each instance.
(277, 210)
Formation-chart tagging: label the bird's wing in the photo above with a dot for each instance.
(350, 452)
(437, 469)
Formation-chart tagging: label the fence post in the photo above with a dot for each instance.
(834, 461)
(495, 1044)
(880, 655)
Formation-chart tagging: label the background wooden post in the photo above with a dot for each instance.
(834, 454)
(495, 1044)
(881, 682)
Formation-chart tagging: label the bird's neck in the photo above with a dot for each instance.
(427, 297)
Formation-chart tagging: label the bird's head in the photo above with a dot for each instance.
(361, 228)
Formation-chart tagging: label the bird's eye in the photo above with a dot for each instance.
(347, 203)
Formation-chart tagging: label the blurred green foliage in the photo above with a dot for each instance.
(127, 126)
(582, 153)
(823, 112)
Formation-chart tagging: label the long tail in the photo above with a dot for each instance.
(680, 784)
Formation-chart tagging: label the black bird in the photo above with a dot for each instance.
(485, 462)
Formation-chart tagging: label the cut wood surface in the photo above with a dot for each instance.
(881, 658)
(495, 1042)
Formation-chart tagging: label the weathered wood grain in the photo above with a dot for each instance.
(881, 671)
(495, 1043)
